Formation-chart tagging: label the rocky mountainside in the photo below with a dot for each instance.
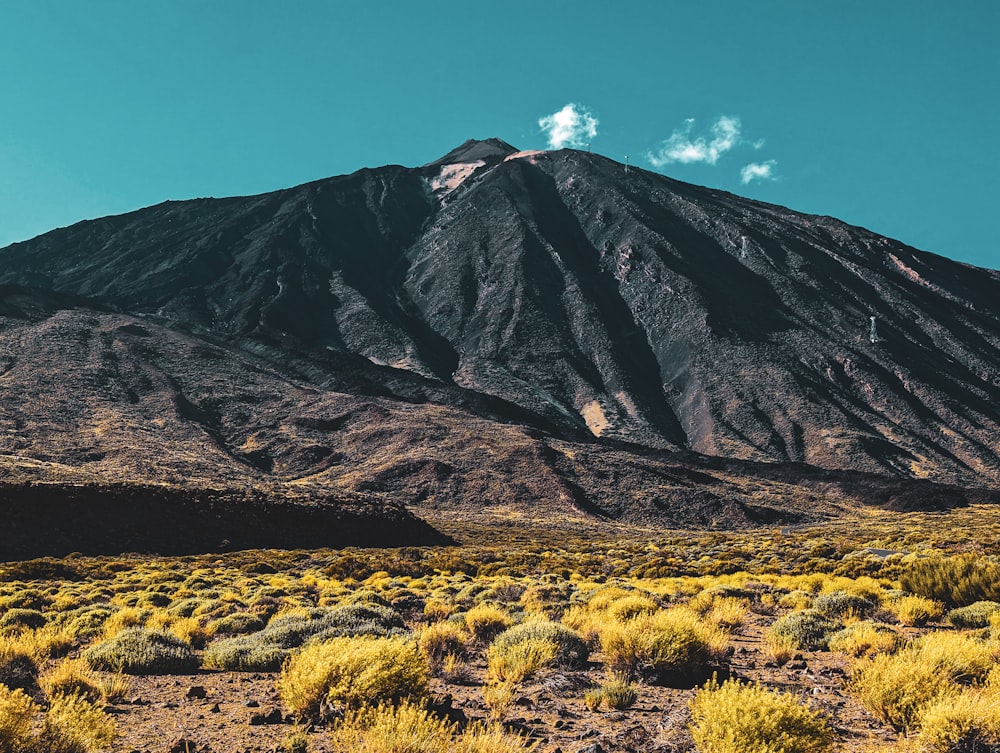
(500, 325)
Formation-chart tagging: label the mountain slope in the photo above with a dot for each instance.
(560, 293)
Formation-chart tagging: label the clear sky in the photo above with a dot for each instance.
(883, 113)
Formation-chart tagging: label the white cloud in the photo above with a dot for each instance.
(758, 171)
(572, 126)
(682, 147)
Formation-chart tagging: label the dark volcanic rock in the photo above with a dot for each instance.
(503, 326)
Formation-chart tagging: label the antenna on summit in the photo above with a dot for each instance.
(626, 163)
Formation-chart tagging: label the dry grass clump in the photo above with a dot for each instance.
(521, 660)
(914, 611)
(407, 728)
(672, 647)
(967, 721)
(351, 672)
(16, 712)
(73, 724)
(439, 641)
(137, 651)
(618, 693)
(72, 677)
(964, 658)
(736, 718)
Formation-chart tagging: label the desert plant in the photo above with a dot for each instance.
(779, 648)
(619, 693)
(736, 718)
(73, 724)
(840, 604)
(807, 629)
(914, 611)
(22, 618)
(16, 712)
(491, 738)
(499, 696)
(673, 646)
(486, 621)
(865, 639)
(966, 722)
(955, 581)
(894, 687)
(961, 657)
(630, 606)
(238, 623)
(350, 672)
(439, 640)
(975, 615)
(71, 677)
(571, 650)
(518, 661)
(137, 651)
(392, 729)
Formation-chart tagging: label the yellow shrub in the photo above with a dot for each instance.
(968, 721)
(735, 718)
(351, 672)
(893, 687)
(485, 622)
(388, 729)
(435, 611)
(16, 710)
(961, 656)
(727, 612)
(71, 677)
(74, 725)
(668, 646)
(779, 648)
(915, 611)
(631, 606)
(499, 696)
(865, 639)
(492, 738)
(439, 640)
(518, 661)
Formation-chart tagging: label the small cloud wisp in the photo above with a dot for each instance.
(758, 171)
(681, 147)
(572, 126)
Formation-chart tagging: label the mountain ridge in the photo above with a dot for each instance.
(559, 292)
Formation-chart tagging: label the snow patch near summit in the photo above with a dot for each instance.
(452, 176)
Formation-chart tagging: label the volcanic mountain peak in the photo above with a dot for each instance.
(555, 292)
(487, 150)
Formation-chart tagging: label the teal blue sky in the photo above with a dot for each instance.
(882, 113)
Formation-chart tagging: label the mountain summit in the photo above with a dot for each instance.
(415, 330)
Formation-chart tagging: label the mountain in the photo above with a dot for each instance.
(503, 326)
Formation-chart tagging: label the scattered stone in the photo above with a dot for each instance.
(271, 716)
(251, 704)
(592, 748)
(215, 709)
(197, 691)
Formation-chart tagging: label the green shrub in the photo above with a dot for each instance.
(571, 649)
(619, 694)
(954, 581)
(842, 604)
(266, 650)
(975, 615)
(23, 618)
(137, 651)
(351, 672)
(238, 623)
(16, 711)
(805, 630)
(735, 718)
